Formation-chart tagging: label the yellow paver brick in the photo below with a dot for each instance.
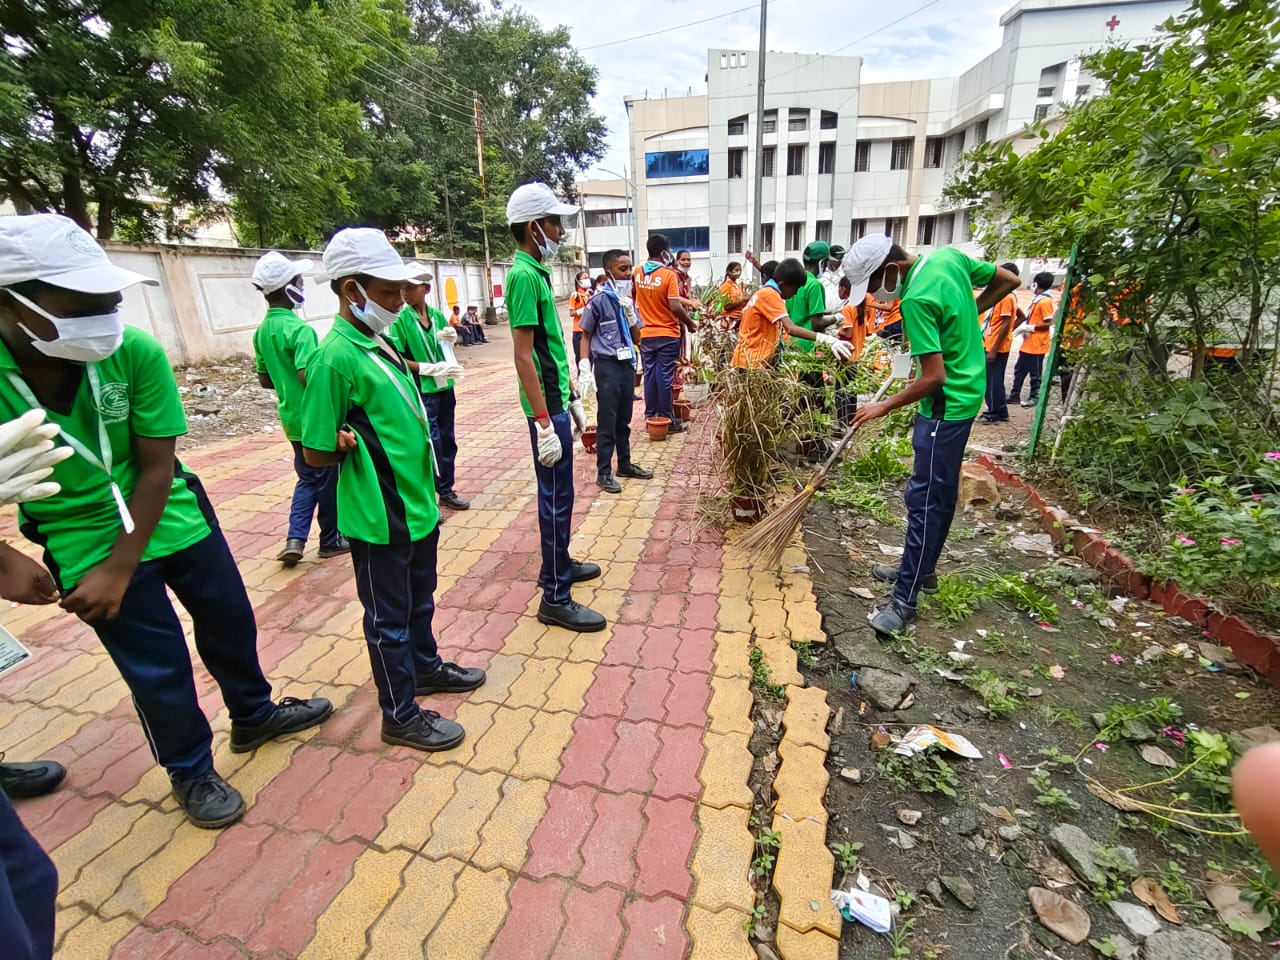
(101, 876)
(588, 647)
(456, 830)
(530, 688)
(814, 945)
(768, 618)
(629, 550)
(539, 755)
(477, 911)
(570, 689)
(476, 719)
(525, 637)
(804, 623)
(106, 829)
(722, 859)
(805, 719)
(718, 936)
(726, 768)
(730, 706)
(497, 749)
(504, 840)
(340, 930)
(765, 587)
(65, 922)
(734, 615)
(347, 622)
(802, 876)
(503, 671)
(296, 663)
(269, 761)
(58, 727)
(608, 601)
(401, 933)
(341, 653)
(555, 643)
(410, 821)
(732, 654)
(283, 576)
(43, 688)
(94, 939)
(779, 658)
(153, 787)
(145, 887)
(801, 781)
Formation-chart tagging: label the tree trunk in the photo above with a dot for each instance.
(74, 202)
(106, 217)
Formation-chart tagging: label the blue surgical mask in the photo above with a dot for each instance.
(549, 248)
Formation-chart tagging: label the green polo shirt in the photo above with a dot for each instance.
(531, 302)
(940, 315)
(810, 300)
(410, 338)
(386, 486)
(282, 345)
(79, 525)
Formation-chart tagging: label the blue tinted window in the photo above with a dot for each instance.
(676, 163)
(693, 239)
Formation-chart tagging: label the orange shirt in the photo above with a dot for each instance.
(853, 329)
(731, 290)
(652, 291)
(761, 329)
(1040, 314)
(1006, 311)
(1073, 325)
(577, 304)
(887, 315)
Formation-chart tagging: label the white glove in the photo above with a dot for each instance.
(628, 310)
(1023, 330)
(549, 449)
(440, 369)
(586, 380)
(579, 416)
(448, 335)
(840, 348)
(452, 368)
(27, 456)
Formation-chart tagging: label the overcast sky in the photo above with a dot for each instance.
(934, 38)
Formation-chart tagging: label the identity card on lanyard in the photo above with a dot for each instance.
(418, 409)
(103, 460)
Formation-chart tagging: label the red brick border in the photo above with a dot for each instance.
(1261, 651)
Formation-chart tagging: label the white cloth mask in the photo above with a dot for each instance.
(80, 339)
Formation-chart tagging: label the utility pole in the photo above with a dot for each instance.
(448, 216)
(484, 226)
(757, 206)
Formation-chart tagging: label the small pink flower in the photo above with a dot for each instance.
(1184, 541)
(1230, 542)
(1116, 658)
(1257, 498)
(1271, 455)
(1174, 734)
(1185, 490)
(1100, 747)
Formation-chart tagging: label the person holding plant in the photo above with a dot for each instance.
(940, 318)
(766, 318)
(664, 318)
(732, 291)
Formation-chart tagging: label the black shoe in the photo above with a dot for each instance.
(632, 472)
(606, 483)
(450, 678)
(336, 549)
(290, 716)
(886, 574)
(893, 619)
(571, 615)
(209, 801)
(427, 731)
(292, 552)
(581, 572)
(676, 427)
(20, 781)
(454, 502)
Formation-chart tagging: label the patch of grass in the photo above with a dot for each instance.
(1054, 799)
(957, 598)
(857, 497)
(1025, 596)
(804, 653)
(762, 677)
(1052, 715)
(1111, 882)
(926, 772)
(767, 844)
(1175, 882)
(846, 855)
(757, 917)
(881, 461)
(998, 696)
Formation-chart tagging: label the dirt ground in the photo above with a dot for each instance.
(223, 400)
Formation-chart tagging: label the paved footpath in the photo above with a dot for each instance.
(597, 809)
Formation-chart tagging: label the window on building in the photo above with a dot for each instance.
(862, 156)
(1042, 111)
(925, 230)
(768, 161)
(980, 132)
(828, 120)
(737, 125)
(900, 156)
(795, 236)
(766, 237)
(945, 229)
(826, 158)
(857, 229)
(1082, 90)
(964, 225)
(1043, 92)
(822, 231)
(797, 119)
(737, 237)
(695, 239)
(676, 163)
(770, 123)
(795, 160)
(934, 148)
(895, 228)
(737, 159)
(607, 218)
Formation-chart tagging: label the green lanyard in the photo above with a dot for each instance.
(103, 460)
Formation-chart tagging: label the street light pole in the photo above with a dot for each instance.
(635, 199)
(757, 206)
(631, 204)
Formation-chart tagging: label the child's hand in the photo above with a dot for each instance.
(23, 580)
(346, 442)
(98, 595)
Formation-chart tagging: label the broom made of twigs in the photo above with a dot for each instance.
(770, 537)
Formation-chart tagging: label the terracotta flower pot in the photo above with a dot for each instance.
(589, 439)
(747, 509)
(683, 410)
(658, 427)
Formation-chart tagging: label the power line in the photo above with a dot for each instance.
(679, 26)
(424, 96)
(400, 58)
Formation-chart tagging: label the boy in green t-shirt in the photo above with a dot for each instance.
(282, 347)
(543, 372)
(362, 409)
(130, 521)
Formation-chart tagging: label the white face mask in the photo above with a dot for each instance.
(886, 295)
(373, 315)
(666, 259)
(295, 295)
(584, 284)
(548, 247)
(622, 288)
(81, 339)
(682, 267)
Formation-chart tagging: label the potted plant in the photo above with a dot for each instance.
(657, 427)
(683, 410)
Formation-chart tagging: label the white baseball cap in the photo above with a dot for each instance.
(424, 275)
(274, 270)
(863, 259)
(58, 251)
(365, 250)
(533, 201)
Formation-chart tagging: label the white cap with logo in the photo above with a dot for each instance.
(533, 201)
(58, 251)
(364, 250)
(863, 259)
(274, 270)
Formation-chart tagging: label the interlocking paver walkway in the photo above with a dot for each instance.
(597, 809)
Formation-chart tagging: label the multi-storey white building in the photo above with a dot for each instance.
(842, 158)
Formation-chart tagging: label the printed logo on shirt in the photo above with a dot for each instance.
(113, 403)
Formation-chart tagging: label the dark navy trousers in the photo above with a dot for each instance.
(660, 355)
(555, 511)
(28, 887)
(931, 497)
(315, 492)
(441, 408)
(997, 396)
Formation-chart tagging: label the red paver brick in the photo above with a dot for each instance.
(649, 689)
(359, 713)
(624, 645)
(678, 761)
(607, 853)
(695, 652)
(661, 643)
(143, 943)
(647, 578)
(639, 607)
(593, 925)
(323, 609)
(533, 922)
(122, 775)
(675, 579)
(290, 920)
(687, 702)
(655, 930)
(367, 817)
(554, 846)
(666, 612)
(192, 896)
(583, 760)
(240, 909)
(701, 613)
(630, 765)
(283, 797)
(705, 579)
(607, 695)
(59, 816)
(326, 800)
(662, 857)
(50, 659)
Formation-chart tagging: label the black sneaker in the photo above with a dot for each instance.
(450, 678)
(893, 619)
(676, 427)
(606, 483)
(581, 572)
(292, 552)
(571, 615)
(290, 716)
(209, 801)
(20, 781)
(336, 549)
(632, 472)
(886, 574)
(426, 731)
(454, 502)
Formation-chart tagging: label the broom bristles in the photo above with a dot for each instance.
(771, 536)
